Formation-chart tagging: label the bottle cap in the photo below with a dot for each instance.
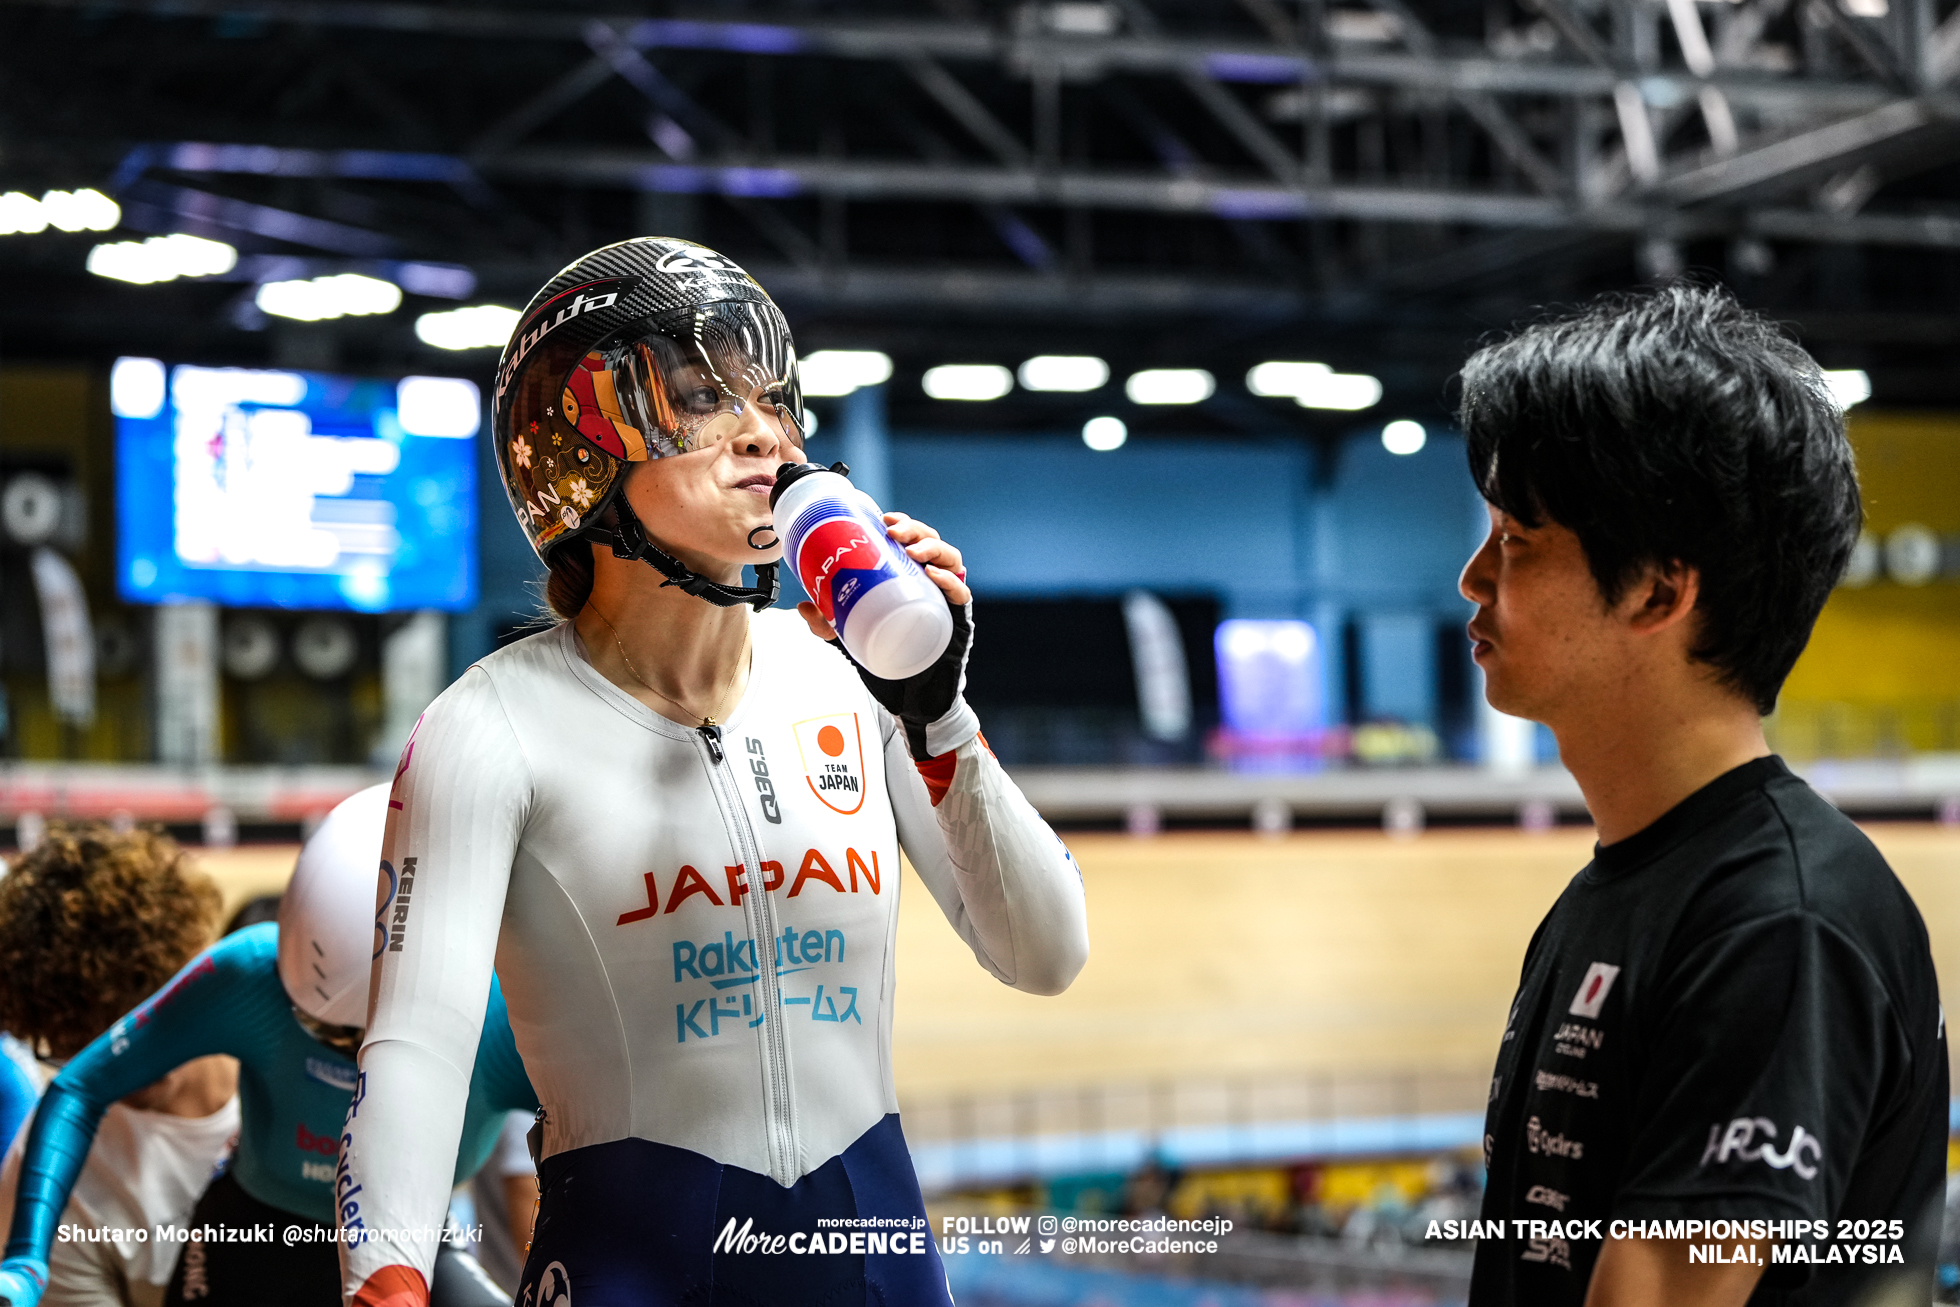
(789, 473)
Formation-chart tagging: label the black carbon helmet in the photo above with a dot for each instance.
(587, 383)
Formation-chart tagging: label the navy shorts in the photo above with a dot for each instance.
(633, 1223)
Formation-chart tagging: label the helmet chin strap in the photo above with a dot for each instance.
(629, 540)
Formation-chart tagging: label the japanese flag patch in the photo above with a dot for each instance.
(1593, 990)
(832, 753)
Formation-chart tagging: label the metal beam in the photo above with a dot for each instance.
(862, 180)
(1870, 51)
(1927, 124)
(965, 108)
(779, 231)
(1270, 16)
(225, 219)
(1148, 192)
(1083, 57)
(544, 106)
(635, 71)
(1579, 36)
(1785, 96)
(1510, 139)
(1221, 104)
(1033, 294)
(1247, 130)
(1943, 51)
(1921, 230)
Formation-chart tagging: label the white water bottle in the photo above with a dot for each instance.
(887, 611)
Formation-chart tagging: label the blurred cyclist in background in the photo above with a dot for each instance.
(287, 1001)
(91, 923)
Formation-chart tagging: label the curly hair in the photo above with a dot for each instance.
(93, 922)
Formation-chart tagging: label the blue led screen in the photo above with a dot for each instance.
(280, 489)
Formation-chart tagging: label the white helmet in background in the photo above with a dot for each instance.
(326, 917)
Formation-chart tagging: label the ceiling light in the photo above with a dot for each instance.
(1315, 385)
(136, 388)
(1104, 434)
(83, 210)
(162, 258)
(1344, 391)
(438, 406)
(972, 381)
(832, 372)
(1283, 380)
(1404, 437)
(20, 212)
(1850, 386)
(480, 326)
(1064, 372)
(338, 296)
(1169, 386)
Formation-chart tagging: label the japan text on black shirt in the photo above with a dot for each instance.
(1732, 1014)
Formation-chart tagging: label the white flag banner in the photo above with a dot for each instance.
(1157, 655)
(187, 683)
(70, 640)
(414, 670)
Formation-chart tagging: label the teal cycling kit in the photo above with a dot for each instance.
(293, 1091)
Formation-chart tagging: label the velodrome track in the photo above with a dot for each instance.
(1374, 971)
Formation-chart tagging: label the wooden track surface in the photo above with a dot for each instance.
(1225, 954)
(1216, 954)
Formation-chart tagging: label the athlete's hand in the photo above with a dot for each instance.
(942, 562)
(21, 1280)
(929, 705)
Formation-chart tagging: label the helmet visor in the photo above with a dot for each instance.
(687, 380)
(674, 382)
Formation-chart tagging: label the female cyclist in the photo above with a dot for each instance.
(287, 1001)
(673, 824)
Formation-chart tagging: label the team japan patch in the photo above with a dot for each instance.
(832, 749)
(1593, 990)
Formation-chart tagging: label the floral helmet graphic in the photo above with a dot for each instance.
(646, 349)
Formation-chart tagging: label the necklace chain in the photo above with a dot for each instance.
(706, 720)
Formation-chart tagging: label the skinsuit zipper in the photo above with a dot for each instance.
(779, 1107)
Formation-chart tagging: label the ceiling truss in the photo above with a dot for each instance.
(1333, 148)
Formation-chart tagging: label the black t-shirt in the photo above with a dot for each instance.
(1732, 1014)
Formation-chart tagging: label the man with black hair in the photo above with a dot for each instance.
(1731, 1013)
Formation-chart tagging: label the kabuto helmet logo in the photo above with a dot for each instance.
(572, 302)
